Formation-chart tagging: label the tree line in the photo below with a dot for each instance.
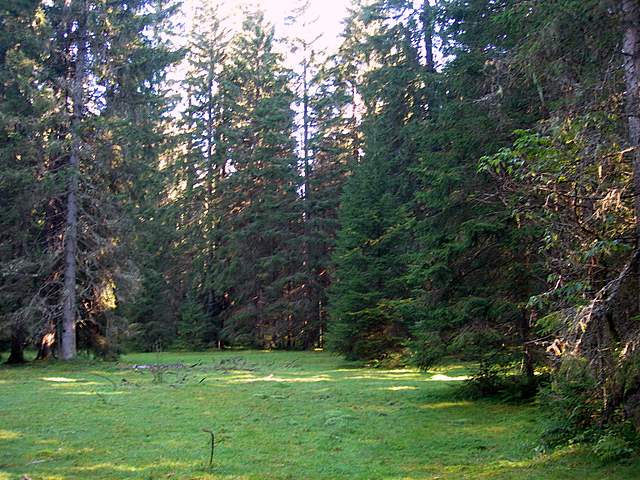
(457, 178)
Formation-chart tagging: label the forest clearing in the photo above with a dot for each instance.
(276, 415)
(399, 238)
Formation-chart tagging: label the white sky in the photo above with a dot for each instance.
(330, 14)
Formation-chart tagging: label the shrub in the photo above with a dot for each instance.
(612, 447)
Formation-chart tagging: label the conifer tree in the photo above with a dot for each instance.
(260, 216)
(304, 48)
(467, 245)
(203, 167)
(87, 166)
(366, 298)
(24, 109)
(334, 145)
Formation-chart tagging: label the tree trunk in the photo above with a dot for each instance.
(309, 255)
(631, 52)
(17, 345)
(68, 348)
(528, 364)
(47, 341)
(427, 28)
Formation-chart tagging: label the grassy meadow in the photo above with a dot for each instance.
(276, 415)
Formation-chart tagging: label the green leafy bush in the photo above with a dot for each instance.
(612, 447)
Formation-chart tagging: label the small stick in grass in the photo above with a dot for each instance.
(206, 430)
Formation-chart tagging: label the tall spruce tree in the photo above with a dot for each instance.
(203, 169)
(24, 114)
(142, 109)
(557, 177)
(85, 168)
(367, 318)
(325, 133)
(334, 143)
(304, 48)
(472, 270)
(258, 252)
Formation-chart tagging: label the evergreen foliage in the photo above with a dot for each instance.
(459, 178)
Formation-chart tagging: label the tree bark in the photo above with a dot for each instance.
(68, 347)
(631, 53)
(17, 345)
(47, 342)
(528, 363)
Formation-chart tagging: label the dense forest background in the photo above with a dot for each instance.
(458, 178)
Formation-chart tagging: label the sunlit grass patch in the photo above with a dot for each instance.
(446, 378)
(8, 435)
(59, 379)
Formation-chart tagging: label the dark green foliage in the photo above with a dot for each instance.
(612, 448)
(22, 141)
(367, 267)
(374, 237)
(566, 177)
(471, 255)
(257, 253)
(115, 134)
(573, 409)
(150, 316)
(193, 324)
(504, 201)
(479, 261)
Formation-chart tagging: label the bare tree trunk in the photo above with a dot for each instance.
(68, 328)
(631, 52)
(305, 120)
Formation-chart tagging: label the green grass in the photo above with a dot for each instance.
(279, 415)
